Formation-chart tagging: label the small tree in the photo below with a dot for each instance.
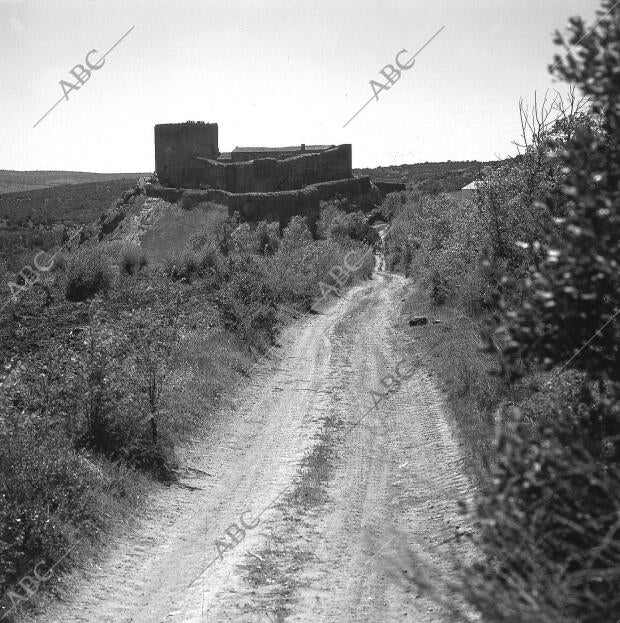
(550, 527)
(296, 233)
(575, 293)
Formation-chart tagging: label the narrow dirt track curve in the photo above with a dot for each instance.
(395, 477)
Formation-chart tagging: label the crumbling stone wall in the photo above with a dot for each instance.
(272, 206)
(271, 174)
(247, 154)
(389, 187)
(185, 156)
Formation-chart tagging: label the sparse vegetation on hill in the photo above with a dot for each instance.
(18, 181)
(431, 177)
(69, 204)
(108, 363)
(40, 220)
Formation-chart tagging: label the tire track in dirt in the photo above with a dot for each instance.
(399, 469)
(149, 573)
(395, 484)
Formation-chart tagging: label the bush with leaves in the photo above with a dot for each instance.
(463, 249)
(336, 223)
(247, 300)
(267, 237)
(50, 494)
(253, 285)
(263, 239)
(189, 263)
(439, 241)
(548, 532)
(296, 233)
(393, 202)
(550, 523)
(122, 381)
(132, 258)
(88, 273)
(82, 401)
(574, 294)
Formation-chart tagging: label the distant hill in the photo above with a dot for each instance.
(29, 219)
(15, 181)
(71, 204)
(432, 177)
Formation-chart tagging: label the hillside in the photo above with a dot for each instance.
(67, 203)
(15, 181)
(432, 177)
(29, 219)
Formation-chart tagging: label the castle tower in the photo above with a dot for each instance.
(176, 147)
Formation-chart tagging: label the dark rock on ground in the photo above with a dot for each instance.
(418, 321)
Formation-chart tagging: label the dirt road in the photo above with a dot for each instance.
(303, 503)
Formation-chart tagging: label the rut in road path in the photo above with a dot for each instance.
(243, 543)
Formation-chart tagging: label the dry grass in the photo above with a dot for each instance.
(315, 470)
(452, 349)
(274, 569)
(208, 365)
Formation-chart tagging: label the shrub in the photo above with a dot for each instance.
(420, 232)
(393, 203)
(121, 377)
(550, 521)
(301, 273)
(180, 265)
(60, 262)
(548, 532)
(190, 262)
(296, 233)
(31, 465)
(463, 249)
(247, 299)
(50, 495)
(224, 237)
(200, 238)
(336, 223)
(132, 259)
(253, 286)
(88, 273)
(243, 239)
(264, 239)
(268, 237)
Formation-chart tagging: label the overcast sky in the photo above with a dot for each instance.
(272, 72)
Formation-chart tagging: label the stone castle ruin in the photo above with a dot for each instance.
(271, 183)
(195, 183)
(187, 156)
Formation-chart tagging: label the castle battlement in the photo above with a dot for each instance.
(187, 156)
